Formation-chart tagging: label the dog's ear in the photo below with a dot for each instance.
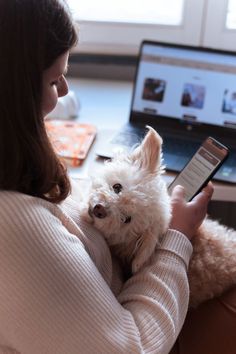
(149, 153)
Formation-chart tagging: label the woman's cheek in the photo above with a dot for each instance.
(49, 100)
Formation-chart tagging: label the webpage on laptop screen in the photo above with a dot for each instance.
(186, 84)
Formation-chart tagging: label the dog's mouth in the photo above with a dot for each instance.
(100, 212)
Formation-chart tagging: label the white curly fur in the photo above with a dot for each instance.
(145, 203)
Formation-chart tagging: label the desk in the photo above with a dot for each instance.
(106, 104)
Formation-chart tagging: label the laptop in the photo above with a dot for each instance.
(187, 94)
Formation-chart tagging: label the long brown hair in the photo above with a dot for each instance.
(33, 34)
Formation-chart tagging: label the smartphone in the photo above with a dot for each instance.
(201, 168)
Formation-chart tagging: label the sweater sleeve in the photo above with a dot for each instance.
(157, 297)
(53, 300)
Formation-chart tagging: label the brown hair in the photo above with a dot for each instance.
(33, 34)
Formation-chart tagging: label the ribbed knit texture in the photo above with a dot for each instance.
(62, 293)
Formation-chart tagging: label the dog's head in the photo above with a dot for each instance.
(129, 197)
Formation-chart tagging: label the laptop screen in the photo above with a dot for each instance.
(186, 83)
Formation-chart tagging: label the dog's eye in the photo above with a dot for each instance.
(117, 188)
(127, 220)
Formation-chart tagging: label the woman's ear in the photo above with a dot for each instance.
(148, 155)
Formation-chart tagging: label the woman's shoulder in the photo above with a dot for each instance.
(15, 204)
(25, 219)
(41, 227)
(22, 214)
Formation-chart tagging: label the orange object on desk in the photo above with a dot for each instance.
(70, 139)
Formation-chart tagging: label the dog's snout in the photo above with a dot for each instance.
(99, 211)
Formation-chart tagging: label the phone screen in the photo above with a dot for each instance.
(203, 165)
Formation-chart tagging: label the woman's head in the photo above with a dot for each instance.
(54, 84)
(35, 35)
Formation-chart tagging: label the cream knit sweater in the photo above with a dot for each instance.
(61, 292)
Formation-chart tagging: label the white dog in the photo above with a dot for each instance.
(129, 203)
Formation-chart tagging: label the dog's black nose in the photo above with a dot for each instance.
(99, 211)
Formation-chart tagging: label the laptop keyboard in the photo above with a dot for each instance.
(126, 139)
(179, 146)
(129, 137)
(134, 136)
(183, 149)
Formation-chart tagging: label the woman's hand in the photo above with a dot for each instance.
(187, 217)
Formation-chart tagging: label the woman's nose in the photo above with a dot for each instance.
(63, 88)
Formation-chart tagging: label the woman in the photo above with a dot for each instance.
(61, 290)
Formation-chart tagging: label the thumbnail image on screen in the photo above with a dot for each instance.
(229, 102)
(154, 89)
(193, 96)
